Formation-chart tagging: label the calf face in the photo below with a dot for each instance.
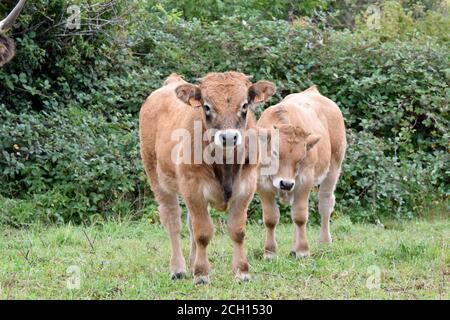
(294, 145)
(225, 99)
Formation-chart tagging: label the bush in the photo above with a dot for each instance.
(88, 164)
(69, 102)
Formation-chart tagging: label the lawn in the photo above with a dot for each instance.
(129, 260)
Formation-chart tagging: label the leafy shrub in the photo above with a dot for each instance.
(391, 21)
(212, 10)
(69, 101)
(88, 164)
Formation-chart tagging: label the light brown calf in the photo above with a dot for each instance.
(312, 146)
(222, 102)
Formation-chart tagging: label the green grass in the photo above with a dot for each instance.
(129, 260)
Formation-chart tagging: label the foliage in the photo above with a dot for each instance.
(210, 10)
(69, 100)
(94, 169)
(392, 22)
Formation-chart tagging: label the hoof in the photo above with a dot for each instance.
(300, 254)
(178, 275)
(325, 240)
(270, 256)
(243, 277)
(201, 280)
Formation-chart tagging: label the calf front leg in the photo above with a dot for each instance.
(236, 228)
(299, 214)
(271, 216)
(237, 220)
(202, 232)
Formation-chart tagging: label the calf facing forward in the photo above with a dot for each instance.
(312, 146)
(222, 102)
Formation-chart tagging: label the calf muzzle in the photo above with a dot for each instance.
(286, 185)
(228, 138)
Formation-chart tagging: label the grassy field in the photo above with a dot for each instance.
(129, 260)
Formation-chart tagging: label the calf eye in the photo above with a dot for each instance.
(209, 113)
(243, 111)
(207, 109)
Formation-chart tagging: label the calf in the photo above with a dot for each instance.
(221, 102)
(312, 146)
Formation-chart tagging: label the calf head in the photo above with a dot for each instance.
(226, 100)
(294, 145)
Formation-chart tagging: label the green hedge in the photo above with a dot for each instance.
(69, 104)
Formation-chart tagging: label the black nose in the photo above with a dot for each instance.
(286, 185)
(228, 138)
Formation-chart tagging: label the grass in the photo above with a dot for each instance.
(129, 260)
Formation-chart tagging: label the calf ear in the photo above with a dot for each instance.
(311, 141)
(261, 91)
(189, 94)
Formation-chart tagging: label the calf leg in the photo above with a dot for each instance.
(202, 232)
(236, 228)
(170, 214)
(326, 205)
(193, 247)
(271, 216)
(299, 214)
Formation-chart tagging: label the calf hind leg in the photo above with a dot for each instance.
(192, 244)
(170, 213)
(326, 205)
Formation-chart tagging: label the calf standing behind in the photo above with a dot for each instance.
(221, 102)
(312, 146)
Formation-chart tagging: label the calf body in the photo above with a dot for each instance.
(220, 102)
(312, 146)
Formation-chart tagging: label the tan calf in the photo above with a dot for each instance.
(220, 102)
(312, 146)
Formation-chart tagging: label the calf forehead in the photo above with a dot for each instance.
(225, 90)
(290, 146)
